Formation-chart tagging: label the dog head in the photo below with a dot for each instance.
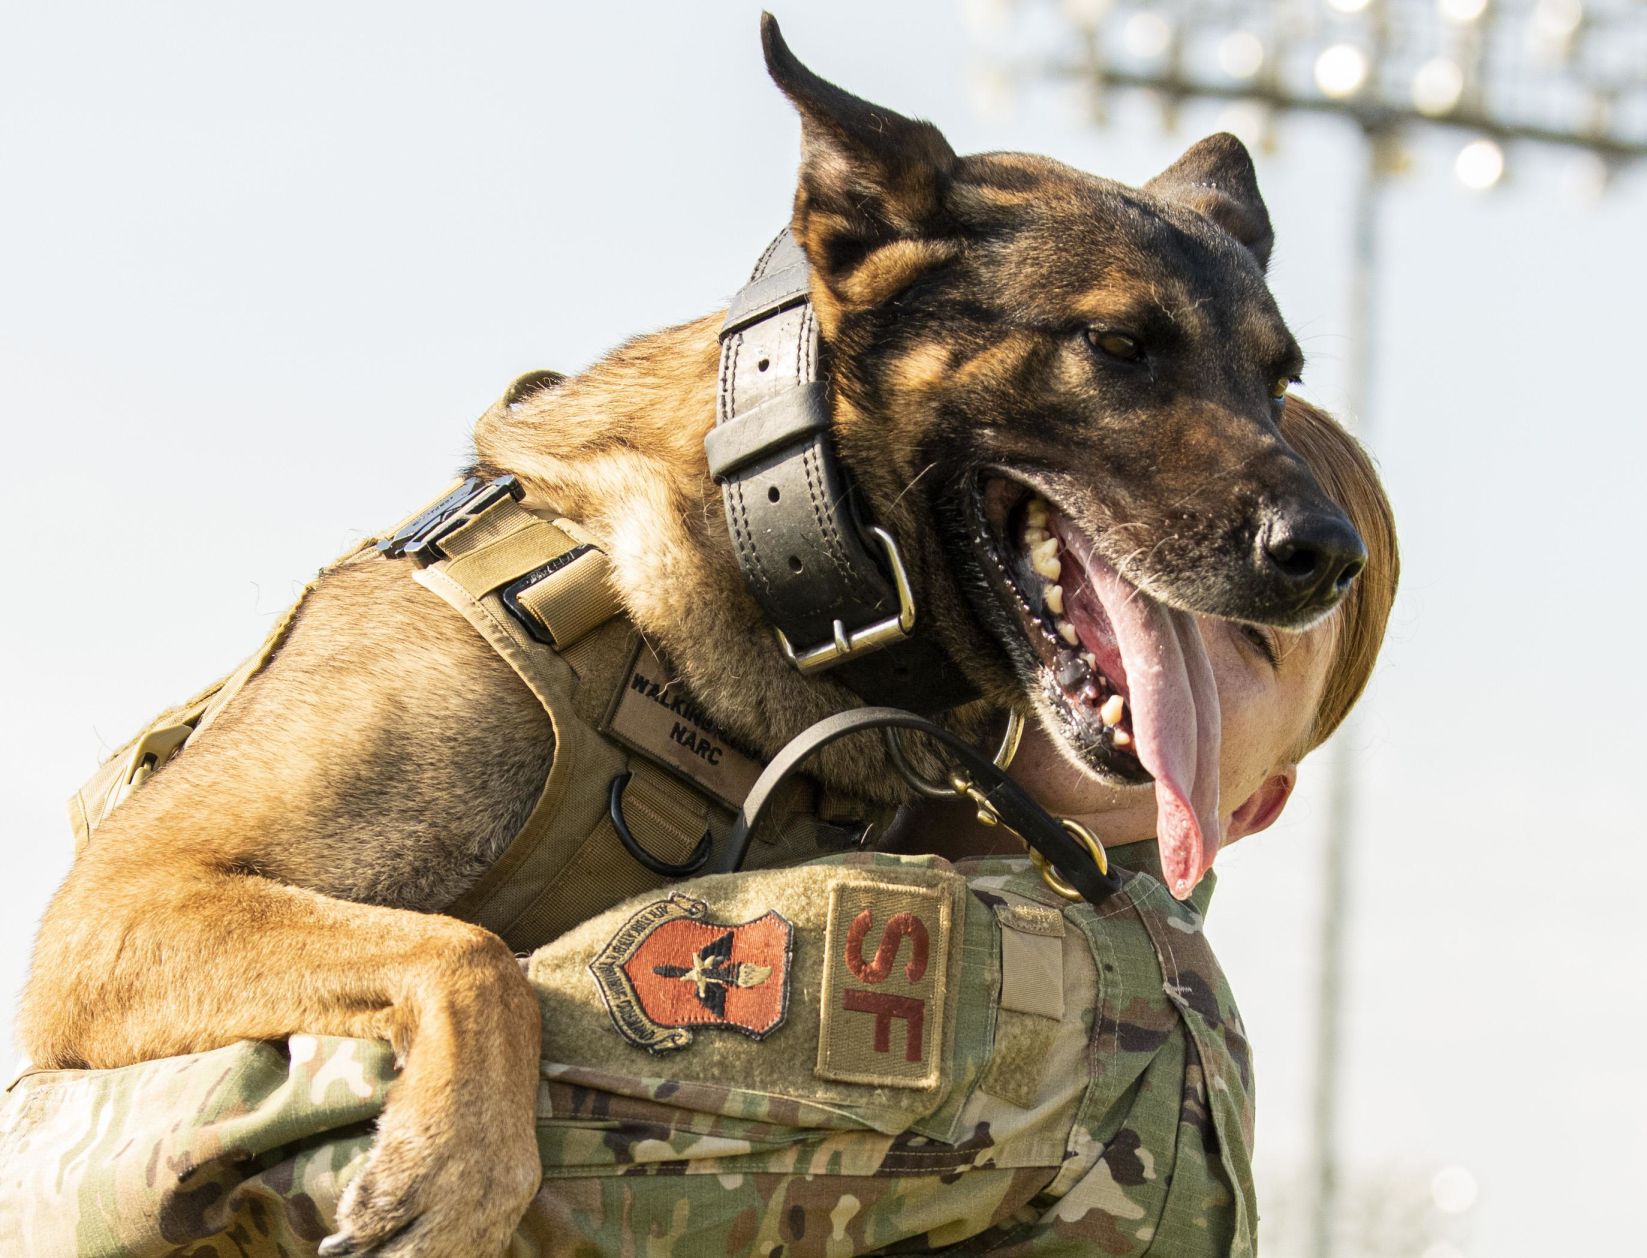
(1062, 394)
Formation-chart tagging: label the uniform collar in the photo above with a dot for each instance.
(1144, 857)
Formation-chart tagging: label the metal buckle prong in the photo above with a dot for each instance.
(872, 637)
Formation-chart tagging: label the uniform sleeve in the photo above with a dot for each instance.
(869, 1055)
(241, 1152)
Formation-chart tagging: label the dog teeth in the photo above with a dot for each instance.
(1066, 631)
(1043, 557)
(1034, 536)
(1090, 660)
(1122, 738)
(1055, 599)
(1035, 515)
(1115, 707)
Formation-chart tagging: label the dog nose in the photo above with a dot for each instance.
(1313, 554)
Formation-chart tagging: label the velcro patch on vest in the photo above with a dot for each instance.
(654, 717)
(670, 970)
(885, 982)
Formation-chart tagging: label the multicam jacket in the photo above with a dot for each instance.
(866, 1054)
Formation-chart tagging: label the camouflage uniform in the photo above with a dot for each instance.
(729, 1070)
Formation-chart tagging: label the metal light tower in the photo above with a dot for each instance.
(1497, 74)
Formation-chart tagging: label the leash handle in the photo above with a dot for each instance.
(1075, 857)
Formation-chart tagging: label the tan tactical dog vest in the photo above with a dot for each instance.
(642, 783)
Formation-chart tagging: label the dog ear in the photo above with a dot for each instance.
(1216, 179)
(869, 204)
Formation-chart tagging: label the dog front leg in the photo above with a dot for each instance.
(137, 959)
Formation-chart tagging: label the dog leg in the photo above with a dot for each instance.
(144, 957)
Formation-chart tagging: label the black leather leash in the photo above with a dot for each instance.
(831, 583)
(1072, 852)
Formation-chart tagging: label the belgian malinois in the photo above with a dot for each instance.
(1059, 392)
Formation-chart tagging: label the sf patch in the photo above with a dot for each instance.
(885, 983)
(670, 970)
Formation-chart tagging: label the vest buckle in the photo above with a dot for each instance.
(420, 537)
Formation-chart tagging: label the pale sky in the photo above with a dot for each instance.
(261, 267)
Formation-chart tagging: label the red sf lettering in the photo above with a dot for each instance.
(886, 955)
(886, 1007)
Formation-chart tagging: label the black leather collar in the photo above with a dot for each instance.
(829, 581)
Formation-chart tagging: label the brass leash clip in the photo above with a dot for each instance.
(965, 788)
(961, 786)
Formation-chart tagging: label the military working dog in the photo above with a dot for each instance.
(1060, 394)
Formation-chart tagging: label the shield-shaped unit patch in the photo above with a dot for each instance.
(670, 970)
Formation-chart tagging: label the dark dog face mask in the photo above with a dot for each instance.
(1063, 394)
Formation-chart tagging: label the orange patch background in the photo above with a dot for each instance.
(674, 1002)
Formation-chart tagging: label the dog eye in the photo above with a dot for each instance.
(1116, 344)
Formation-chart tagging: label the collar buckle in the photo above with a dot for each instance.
(872, 637)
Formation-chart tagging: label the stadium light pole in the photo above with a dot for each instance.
(1499, 74)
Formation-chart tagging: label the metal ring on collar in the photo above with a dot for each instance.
(1013, 735)
(691, 865)
(1095, 849)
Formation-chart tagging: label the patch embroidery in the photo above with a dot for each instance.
(654, 718)
(669, 969)
(885, 981)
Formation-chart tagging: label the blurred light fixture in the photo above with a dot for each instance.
(1341, 71)
(1510, 71)
(1088, 12)
(1553, 30)
(1438, 87)
(1241, 54)
(1588, 176)
(1463, 12)
(1146, 35)
(1250, 121)
(1453, 1189)
(1479, 165)
(986, 17)
(989, 89)
(1557, 20)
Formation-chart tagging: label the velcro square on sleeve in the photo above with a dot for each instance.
(885, 982)
(1032, 972)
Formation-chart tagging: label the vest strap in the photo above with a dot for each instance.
(548, 576)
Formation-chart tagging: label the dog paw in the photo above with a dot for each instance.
(426, 1196)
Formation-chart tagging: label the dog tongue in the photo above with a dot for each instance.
(1175, 727)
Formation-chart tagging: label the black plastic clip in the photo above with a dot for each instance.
(421, 537)
(510, 594)
(692, 864)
